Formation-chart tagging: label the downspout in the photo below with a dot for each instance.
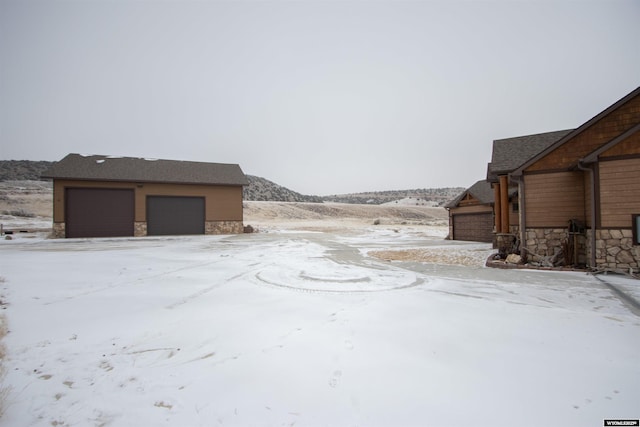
(592, 184)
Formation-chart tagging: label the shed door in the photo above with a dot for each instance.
(99, 212)
(169, 215)
(476, 227)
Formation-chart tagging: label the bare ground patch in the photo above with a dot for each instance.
(26, 198)
(339, 216)
(448, 256)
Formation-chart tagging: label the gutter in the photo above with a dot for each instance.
(592, 184)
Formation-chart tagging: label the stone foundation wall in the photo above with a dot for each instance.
(58, 231)
(504, 242)
(615, 249)
(140, 229)
(223, 227)
(547, 241)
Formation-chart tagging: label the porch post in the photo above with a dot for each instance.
(504, 203)
(496, 207)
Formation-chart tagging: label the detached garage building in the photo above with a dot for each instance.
(103, 196)
(471, 214)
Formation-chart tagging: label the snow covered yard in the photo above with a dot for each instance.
(304, 328)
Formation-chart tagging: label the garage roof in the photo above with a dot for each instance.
(110, 168)
(481, 190)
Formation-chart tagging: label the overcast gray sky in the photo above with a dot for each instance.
(322, 97)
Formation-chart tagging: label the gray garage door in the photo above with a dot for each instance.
(168, 215)
(98, 212)
(474, 227)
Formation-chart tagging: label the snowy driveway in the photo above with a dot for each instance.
(289, 328)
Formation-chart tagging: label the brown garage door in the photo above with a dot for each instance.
(169, 215)
(476, 227)
(99, 212)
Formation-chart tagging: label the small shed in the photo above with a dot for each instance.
(107, 196)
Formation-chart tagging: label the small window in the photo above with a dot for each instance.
(516, 206)
(636, 229)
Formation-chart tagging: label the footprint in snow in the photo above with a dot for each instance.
(611, 398)
(335, 379)
(106, 366)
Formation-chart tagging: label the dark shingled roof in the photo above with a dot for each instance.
(109, 168)
(508, 154)
(481, 190)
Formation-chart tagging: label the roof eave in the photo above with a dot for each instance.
(142, 181)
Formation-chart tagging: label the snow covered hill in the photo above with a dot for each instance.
(261, 189)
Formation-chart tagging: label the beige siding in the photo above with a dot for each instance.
(619, 192)
(222, 203)
(552, 199)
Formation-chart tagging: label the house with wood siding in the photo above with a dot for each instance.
(107, 196)
(471, 214)
(583, 191)
(506, 156)
(488, 211)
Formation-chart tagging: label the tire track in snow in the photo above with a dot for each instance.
(206, 290)
(415, 283)
(132, 282)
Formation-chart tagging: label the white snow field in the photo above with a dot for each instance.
(304, 328)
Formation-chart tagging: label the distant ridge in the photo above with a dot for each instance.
(22, 170)
(439, 196)
(261, 189)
